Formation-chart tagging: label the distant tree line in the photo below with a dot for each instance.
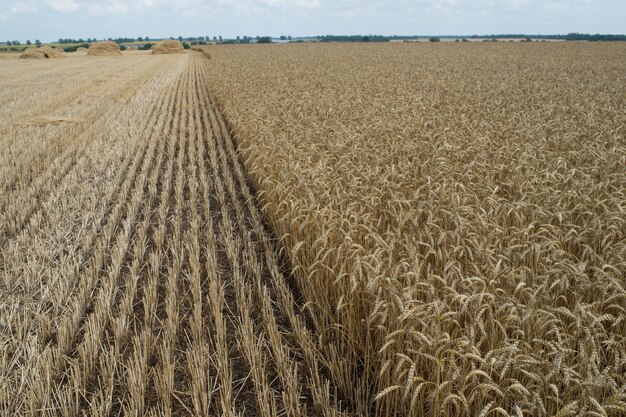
(568, 37)
(594, 38)
(246, 40)
(68, 41)
(354, 38)
(526, 37)
(73, 48)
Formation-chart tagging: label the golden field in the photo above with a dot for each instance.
(455, 216)
(402, 229)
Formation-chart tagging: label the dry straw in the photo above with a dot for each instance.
(44, 52)
(106, 48)
(168, 46)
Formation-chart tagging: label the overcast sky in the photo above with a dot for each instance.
(49, 20)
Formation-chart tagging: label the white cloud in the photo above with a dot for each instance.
(180, 7)
(64, 6)
(114, 7)
(306, 4)
(517, 4)
(267, 4)
(145, 4)
(21, 7)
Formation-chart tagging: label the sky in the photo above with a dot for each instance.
(48, 20)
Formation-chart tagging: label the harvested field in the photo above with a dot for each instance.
(455, 216)
(137, 275)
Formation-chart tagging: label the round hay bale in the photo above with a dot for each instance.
(168, 46)
(106, 48)
(41, 53)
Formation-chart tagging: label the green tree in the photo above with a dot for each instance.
(264, 39)
(28, 43)
(434, 39)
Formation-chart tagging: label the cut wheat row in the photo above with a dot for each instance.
(89, 260)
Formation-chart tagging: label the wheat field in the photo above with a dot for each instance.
(315, 230)
(455, 216)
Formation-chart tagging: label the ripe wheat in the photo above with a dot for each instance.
(454, 215)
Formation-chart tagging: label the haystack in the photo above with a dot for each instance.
(168, 46)
(32, 53)
(132, 48)
(106, 48)
(81, 49)
(41, 53)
